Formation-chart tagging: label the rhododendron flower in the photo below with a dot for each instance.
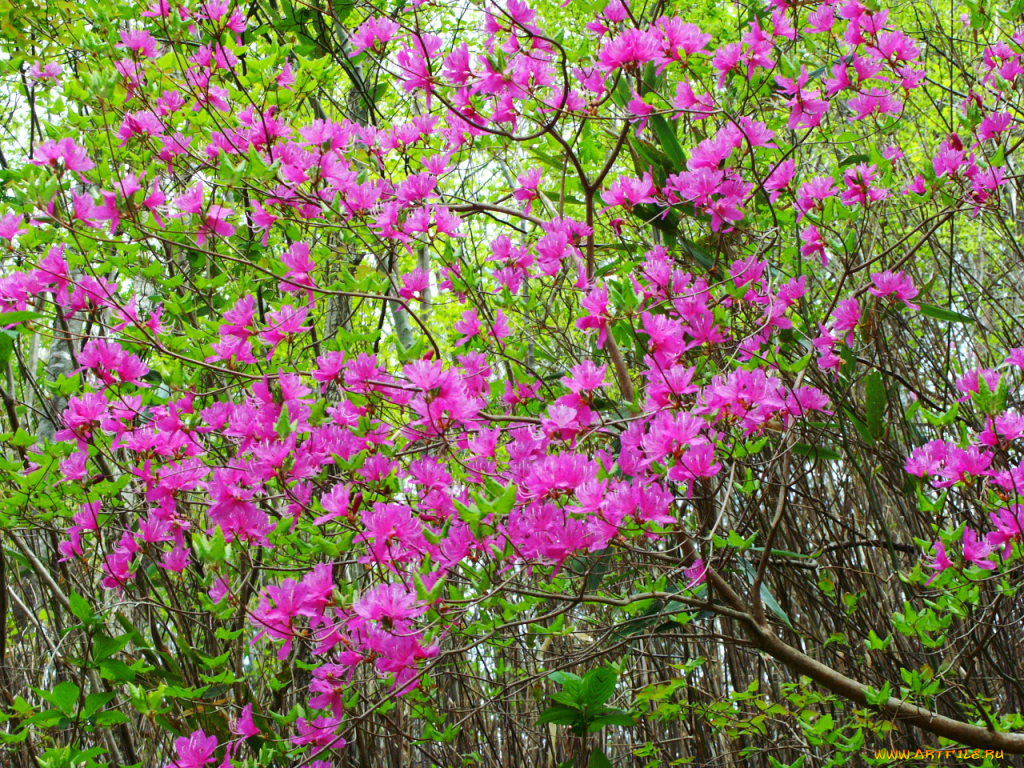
(65, 151)
(779, 179)
(10, 227)
(389, 604)
(696, 573)
(630, 192)
(245, 726)
(977, 551)
(812, 192)
(139, 41)
(807, 109)
(529, 187)
(1009, 527)
(374, 33)
(468, 326)
(860, 187)
(321, 732)
(874, 101)
(895, 284)
(691, 104)
(596, 304)
(940, 562)
(194, 751)
(629, 49)
(49, 71)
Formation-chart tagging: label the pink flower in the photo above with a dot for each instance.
(215, 222)
(807, 108)
(194, 751)
(696, 573)
(50, 71)
(529, 186)
(874, 101)
(373, 34)
(859, 185)
(1009, 524)
(10, 227)
(468, 326)
(993, 125)
(284, 324)
(245, 726)
(67, 151)
(300, 268)
(139, 41)
(940, 562)
(846, 318)
(191, 202)
(812, 192)
(977, 551)
(629, 192)
(813, 244)
(330, 682)
(896, 284)
(631, 48)
(779, 179)
(390, 604)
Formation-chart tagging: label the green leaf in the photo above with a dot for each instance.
(6, 347)
(598, 759)
(940, 313)
(65, 697)
(599, 686)
(46, 719)
(103, 647)
(878, 696)
(941, 419)
(853, 160)
(504, 503)
(669, 142)
(118, 671)
(567, 680)
(82, 609)
(611, 718)
(559, 715)
(876, 403)
(10, 318)
(94, 702)
(342, 9)
(110, 718)
(816, 451)
(22, 439)
(766, 595)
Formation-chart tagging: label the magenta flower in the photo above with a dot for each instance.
(49, 71)
(1009, 527)
(67, 151)
(696, 573)
(807, 108)
(630, 49)
(10, 227)
(940, 562)
(389, 604)
(244, 726)
(139, 41)
(860, 188)
(373, 34)
(895, 284)
(629, 192)
(977, 550)
(194, 751)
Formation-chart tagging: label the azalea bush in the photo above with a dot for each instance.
(510, 383)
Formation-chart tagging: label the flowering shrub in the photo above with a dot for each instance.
(369, 371)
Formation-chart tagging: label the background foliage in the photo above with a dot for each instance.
(478, 383)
